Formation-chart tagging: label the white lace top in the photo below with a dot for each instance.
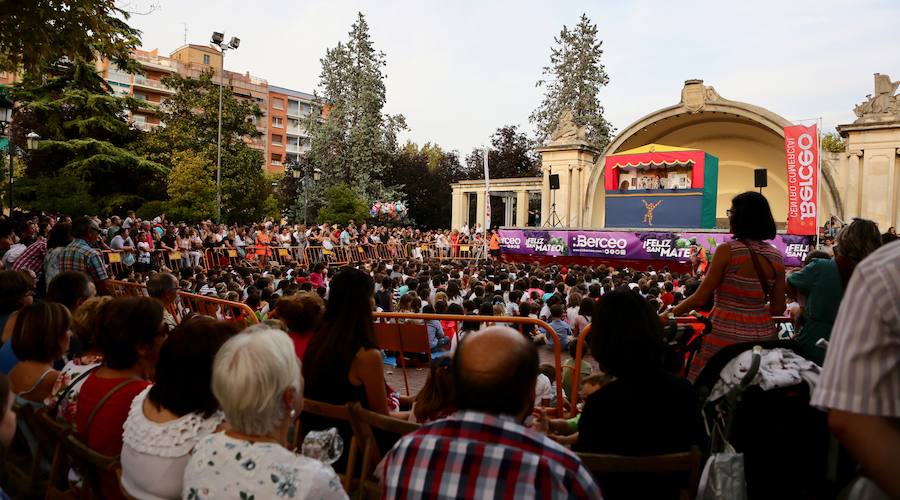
(154, 455)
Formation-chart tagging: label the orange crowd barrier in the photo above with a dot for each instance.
(396, 343)
(192, 303)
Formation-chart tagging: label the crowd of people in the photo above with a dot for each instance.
(195, 407)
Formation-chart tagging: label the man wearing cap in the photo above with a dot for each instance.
(80, 255)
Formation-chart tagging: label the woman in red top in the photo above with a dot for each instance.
(301, 313)
(130, 334)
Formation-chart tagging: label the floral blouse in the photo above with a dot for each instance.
(72, 371)
(225, 467)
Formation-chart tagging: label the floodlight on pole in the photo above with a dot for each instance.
(218, 39)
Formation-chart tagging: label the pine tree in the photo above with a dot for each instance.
(352, 141)
(86, 143)
(575, 76)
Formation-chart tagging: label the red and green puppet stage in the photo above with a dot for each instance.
(657, 186)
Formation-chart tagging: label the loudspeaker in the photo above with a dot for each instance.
(554, 181)
(760, 179)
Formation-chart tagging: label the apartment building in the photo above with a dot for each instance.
(282, 137)
(287, 137)
(194, 59)
(147, 87)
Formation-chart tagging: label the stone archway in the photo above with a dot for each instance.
(742, 136)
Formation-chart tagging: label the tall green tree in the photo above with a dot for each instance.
(353, 140)
(191, 188)
(36, 35)
(424, 175)
(511, 154)
(191, 118)
(343, 203)
(86, 161)
(573, 80)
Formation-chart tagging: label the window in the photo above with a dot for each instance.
(140, 95)
(305, 109)
(276, 140)
(277, 103)
(205, 58)
(276, 159)
(293, 107)
(277, 122)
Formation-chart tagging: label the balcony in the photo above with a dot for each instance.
(144, 82)
(292, 148)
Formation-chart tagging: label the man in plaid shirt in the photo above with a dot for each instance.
(484, 451)
(80, 255)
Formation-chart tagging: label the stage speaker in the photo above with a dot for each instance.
(760, 179)
(554, 181)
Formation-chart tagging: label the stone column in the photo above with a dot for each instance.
(579, 198)
(853, 194)
(456, 208)
(546, 196)
(522, 207)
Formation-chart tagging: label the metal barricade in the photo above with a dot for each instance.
(557, 350)
(188, 303)
(215, 307)
(288, 256)
(126, 288)
(114, 261)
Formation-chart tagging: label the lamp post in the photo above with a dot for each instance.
(218, 39)
(6, 108)
(304, 175)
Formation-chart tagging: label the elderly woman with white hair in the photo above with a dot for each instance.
(256, 379)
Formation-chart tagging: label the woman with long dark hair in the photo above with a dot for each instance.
(746, 279)
(342, 362)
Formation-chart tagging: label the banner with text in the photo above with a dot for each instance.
(612, 245)
(801, 147)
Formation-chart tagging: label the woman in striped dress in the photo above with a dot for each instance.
(745, 295)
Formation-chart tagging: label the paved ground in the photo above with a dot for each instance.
(417, 376)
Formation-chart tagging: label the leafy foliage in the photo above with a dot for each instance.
(511, 154)
(352, 141)
(424, 175)
(84, 138)
(191, 118)
(343, 204)
(191, 188)
(575, 76)
(37, 35)
(833, 143)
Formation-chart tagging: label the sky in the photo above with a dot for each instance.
(458, 70)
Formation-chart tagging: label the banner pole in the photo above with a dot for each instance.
(818, 177)
(487, 201)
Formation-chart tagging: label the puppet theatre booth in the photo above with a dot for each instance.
(661, 186)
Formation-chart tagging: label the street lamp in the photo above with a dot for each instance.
(304, 174)
(218, 40)
(6, 128)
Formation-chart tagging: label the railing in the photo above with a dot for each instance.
(191, 303)
(169, 259)
(557, 349)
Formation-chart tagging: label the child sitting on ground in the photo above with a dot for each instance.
(565, 430)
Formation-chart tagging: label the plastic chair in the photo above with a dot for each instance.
(685, 465)
(363, 421)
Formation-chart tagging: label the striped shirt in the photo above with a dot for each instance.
(476, 455)
(862, 364)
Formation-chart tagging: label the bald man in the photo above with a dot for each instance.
(483, 450)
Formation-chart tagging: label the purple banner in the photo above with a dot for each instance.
(633, 245)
